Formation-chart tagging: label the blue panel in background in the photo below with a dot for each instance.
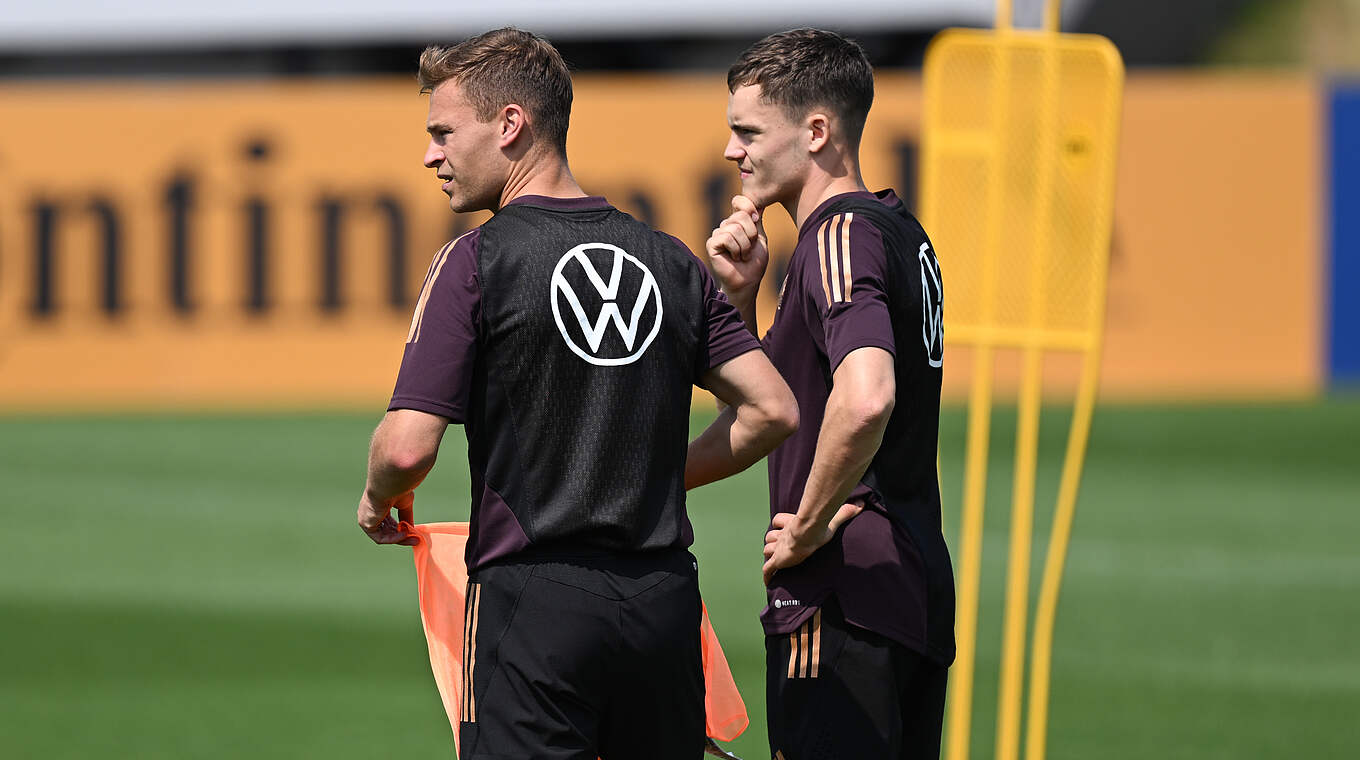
(1344, 338)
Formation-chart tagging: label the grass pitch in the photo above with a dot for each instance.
(195, 587)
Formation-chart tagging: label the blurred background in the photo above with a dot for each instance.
(213, 226)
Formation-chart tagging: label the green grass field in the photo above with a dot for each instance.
(195, 587)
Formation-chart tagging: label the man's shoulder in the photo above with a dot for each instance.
(885, 214)
(516, 215)
(846, 230)
(460, 250)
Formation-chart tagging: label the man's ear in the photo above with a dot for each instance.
(818, 126)
(513, 122)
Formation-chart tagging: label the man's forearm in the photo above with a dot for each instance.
(728, 446)
(745, 304)
(845, 447)
(386, 481)
(394, 468)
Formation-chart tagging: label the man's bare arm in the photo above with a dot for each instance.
(863, 393)
(761, 412)
(403, 450)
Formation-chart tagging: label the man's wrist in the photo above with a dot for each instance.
(804, 529)
(742, 297)
(377, 498)
(744, 301)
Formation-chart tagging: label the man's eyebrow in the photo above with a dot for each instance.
(737, 125)
(435, 126)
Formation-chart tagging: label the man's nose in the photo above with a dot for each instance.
(433, 156)
(733, 151)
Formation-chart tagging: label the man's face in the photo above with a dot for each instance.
(766, 145)
(464, 152)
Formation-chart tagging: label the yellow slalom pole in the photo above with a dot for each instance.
(1022, 496)
(1012, 676)
(1046, 612)
(1017, 570)
(970, 559)
(979, 429)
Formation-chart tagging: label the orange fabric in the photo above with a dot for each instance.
(441, 582)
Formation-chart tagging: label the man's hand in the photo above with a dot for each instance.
(790, 541)
(376, 519)
(738, 251)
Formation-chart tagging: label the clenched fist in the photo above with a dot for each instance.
(738, 251)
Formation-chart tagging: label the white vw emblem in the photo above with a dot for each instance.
(932, 307)
(610, 313)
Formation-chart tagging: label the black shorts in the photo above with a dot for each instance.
(584, 658)
(835, 690)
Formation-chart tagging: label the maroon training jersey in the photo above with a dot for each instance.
(864, 275)
(566, 337)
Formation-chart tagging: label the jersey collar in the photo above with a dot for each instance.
(585, 203)
(887, 197)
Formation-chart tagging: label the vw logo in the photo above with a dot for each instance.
(591, 328)
(932, 307)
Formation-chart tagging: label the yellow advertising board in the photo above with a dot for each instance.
(260, 243)
(1216, 261)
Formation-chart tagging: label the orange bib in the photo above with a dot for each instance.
(441, 578)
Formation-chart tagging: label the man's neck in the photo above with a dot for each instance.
(548, 176)
(817, 191)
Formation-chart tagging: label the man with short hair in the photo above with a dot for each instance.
(565, 336)
(859, 627)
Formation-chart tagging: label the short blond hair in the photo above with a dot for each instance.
(506, 66)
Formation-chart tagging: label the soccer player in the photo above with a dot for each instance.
(565, 336)
(859, 626)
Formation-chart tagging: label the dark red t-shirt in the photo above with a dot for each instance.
(863, 275)
(566, 336)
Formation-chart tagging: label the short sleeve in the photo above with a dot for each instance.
(725, 336)
(728, 337)
(441, 345)
(850, 286)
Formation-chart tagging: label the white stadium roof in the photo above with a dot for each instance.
(63, 25)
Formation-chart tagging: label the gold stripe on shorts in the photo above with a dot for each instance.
(793, 653)
(805, 645)
(470, 662)
(467, 641)
(816, 641)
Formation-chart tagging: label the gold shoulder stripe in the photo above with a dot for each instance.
(413, 335)
(845, 256)
(430, 275)
(834, 254)
(821, 259)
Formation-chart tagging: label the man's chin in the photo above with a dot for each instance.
(754, 194)
(467, 206)
(461, 205)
